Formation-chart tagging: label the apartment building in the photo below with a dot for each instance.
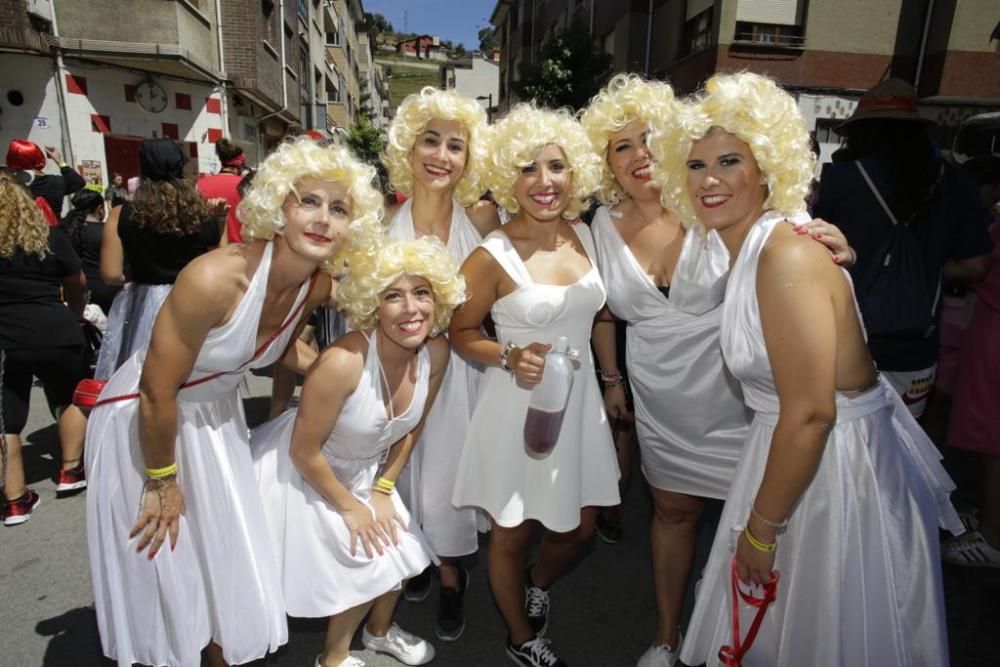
(374, 84)
(343, 102)
(95, 77)
(825, 51)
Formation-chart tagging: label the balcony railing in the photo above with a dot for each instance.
(769, 40)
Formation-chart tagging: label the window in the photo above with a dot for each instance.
(697, 34)
(769, 34)
(825, 133)
(286, 47)
(304, 10)
(270, 20)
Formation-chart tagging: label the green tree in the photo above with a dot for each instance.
(459, 51)
(569, 71)
(376, 24)
(487, 39)
(365, 140)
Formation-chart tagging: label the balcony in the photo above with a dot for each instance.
(769, 36)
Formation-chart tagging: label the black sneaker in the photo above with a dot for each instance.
(419, 587)
(536, 603)
(451, 615)
(535, 652)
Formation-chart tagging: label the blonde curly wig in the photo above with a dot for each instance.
(412, 117)
(22, 225)
(525, 131)
(373, 269)
(299, 158)
(760, 114)
(626, 98)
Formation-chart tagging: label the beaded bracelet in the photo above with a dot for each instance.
(161, 473)
(611, 379)
(757, 544)
(505, 357)
(777, 525)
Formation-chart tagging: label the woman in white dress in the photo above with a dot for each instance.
(537, 277)
(327, 470)
(435, 155)
(174, 412)
(837, 489)
(668, 284)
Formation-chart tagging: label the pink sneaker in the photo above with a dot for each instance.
(17, 511)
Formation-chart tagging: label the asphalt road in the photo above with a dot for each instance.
(603, 611)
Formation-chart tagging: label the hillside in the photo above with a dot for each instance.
(404, 79)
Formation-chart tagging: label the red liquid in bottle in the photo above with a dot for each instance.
(541, 431)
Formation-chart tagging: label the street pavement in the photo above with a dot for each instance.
(603, 612)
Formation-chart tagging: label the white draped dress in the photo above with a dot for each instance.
(319, 575)
(428, 481)
(221, 582)
(860, 573)
(495, 473)
(689, 412)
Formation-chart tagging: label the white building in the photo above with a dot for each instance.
(477, 78)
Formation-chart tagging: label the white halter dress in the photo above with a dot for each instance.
(495, 473)
(860, 573)
(221, 582)
(319, 575)
(429, 479)
(689, 412)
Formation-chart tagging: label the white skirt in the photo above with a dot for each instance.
(860, 573)
(221, 582)
(319, 575)
(129, 325)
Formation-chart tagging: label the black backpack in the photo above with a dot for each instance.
(899, 296)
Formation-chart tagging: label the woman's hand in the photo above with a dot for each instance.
(386, 517)
(160, 510)
(364, 528)
(528, 362)
(53, 154)
(754, 566)
(217, 206)
(834, 239)
(615, 403)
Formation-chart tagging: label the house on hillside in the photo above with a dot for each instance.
(422, 46)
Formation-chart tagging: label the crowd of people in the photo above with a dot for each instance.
(754, 370)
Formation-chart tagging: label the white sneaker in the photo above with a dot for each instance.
(400, 644)
(659, 656)
(349, 661)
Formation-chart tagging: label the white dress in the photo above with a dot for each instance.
(495, 473)
(221, 582)
(429, 479)
(689, 412)
(319, 576)
(860, 574)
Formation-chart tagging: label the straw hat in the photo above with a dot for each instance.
(892, 99)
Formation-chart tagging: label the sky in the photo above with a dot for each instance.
(457, 20)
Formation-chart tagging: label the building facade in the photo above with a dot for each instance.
(477, 78)
(95, 77)
(825, 52)
(342, 45)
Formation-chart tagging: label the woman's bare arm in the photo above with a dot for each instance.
(795, 293)
(112, 253)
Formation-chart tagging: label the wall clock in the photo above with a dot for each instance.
(150, 96)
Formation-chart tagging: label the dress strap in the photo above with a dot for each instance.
(401, 225)
(499, 246)
(586, 237)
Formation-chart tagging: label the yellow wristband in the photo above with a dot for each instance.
(757, 544)
(160, 473)
(384, 485)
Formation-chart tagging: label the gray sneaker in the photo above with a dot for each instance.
(400, 644)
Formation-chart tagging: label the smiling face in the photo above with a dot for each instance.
(406, 311)
(543, 187)
(317, 216)
(439, 154)
(629, 159)
(724, 182)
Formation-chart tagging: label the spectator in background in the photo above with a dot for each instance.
(913, 220)
(974, 425)
(39, 337)
(226, 184)
(116, 194)
(26, 156)
(84, 226)
(150, 239)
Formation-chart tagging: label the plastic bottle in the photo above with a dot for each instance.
(547, 404)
